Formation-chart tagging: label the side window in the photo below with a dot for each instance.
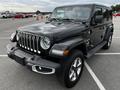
(98, 11)
(107, 14)
(98, 15)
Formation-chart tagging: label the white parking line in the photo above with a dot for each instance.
(116, 37)
(99, 84)
(3, 55)
(107, 54)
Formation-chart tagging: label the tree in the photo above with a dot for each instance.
(115, 7)
(38, 12)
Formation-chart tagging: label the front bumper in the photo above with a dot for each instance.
(33, 62)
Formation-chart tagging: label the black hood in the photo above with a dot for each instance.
(54, 30)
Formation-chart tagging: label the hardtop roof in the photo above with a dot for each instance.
(89, 5)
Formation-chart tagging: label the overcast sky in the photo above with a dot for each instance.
(45, 5)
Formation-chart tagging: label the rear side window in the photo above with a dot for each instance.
(107, 14)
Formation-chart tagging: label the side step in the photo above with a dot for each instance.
(93, 51)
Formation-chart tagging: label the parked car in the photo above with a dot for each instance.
(4, 15)
(7, 15)
(19, 16)
(60, 45)
(28, 15)
(34, 15)
(116, 14)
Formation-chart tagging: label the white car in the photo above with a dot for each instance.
(4, 15)
(34, 15)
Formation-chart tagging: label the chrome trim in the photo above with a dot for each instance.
(28, 41)
(35, 70)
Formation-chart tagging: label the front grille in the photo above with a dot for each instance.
(29, 42)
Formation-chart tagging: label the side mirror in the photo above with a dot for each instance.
(98, 19)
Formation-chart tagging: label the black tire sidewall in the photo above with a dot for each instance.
(106, 45)
(64, 74)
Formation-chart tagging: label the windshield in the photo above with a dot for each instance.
(75, 12)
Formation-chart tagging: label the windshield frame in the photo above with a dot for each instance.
(74, 6)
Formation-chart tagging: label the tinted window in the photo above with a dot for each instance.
(107, 14)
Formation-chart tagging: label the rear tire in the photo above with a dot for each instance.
(72, 69)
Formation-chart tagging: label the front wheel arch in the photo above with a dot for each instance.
(81, 47)
(65, 67)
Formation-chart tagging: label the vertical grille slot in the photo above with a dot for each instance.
(38, 44)
(33, 38)
(26, 41)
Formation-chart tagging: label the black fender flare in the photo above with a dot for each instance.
(59, 48)
(109, 31)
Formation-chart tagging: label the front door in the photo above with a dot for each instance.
(97, 29)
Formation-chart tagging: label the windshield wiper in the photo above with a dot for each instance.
(57, 19)
(67, 19)
(70, 20)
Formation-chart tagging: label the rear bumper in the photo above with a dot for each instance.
(33, 62)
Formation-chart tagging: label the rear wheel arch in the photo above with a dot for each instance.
(109, 32)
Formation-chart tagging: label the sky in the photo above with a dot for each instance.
(45, 5)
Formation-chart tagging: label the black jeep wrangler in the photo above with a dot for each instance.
(59, 46)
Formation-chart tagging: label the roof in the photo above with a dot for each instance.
(102, 5)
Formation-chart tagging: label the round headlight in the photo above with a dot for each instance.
(45, 43)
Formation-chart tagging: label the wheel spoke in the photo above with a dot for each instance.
(77, 75)
(78, 70)
(75, 63)
(79, 63)
(71, 74)
(79, 66)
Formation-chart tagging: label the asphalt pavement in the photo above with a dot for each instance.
(101, 72)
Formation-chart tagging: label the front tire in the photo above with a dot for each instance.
(72, 69)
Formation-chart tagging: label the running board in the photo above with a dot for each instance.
(94, 50)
